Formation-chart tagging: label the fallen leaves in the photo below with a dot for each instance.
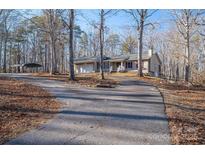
(23, 107)
(185, 108)
(86, 80)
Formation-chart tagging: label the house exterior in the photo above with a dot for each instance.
(151, 64)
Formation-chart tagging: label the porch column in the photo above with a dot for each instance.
(95, 67)
(121, 63)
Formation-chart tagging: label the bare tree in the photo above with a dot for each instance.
(6, 27)
(141, 17)
(52, 24)
(68, 19)
(186, 22)
(103, 15)
(129, 43)
(71, 61)
(94, 41)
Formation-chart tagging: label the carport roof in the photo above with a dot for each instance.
(31, 65)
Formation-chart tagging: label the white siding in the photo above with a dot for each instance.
(134, 63)
(85, 68)
(145, 67)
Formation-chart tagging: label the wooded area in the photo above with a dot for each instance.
(53, 39)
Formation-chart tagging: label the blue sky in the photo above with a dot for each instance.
(117, 22)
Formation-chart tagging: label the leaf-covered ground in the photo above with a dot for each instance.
(186, 112)
(86, 80)
(185, 108)
(23, 107)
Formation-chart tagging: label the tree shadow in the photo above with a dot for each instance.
(88, 97)
(114, 115)
(109, 93)
(81, 113)
(94, 114)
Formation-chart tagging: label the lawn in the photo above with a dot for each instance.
(23, 107)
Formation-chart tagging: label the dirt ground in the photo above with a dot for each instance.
(23, 107)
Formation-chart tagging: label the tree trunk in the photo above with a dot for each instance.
(101, 42)
(45, 58)
(141, 29)
(164, 67)
(62, 59)
(187, 68)
(5, 50)
(18, 58)
(52, 35)
(177, 72)
(71, 61)
(54, 56)
(10, 57)
(51, 59)
(0, 54)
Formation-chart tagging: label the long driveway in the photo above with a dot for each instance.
(132, 113)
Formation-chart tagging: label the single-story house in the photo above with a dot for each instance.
(151, 64)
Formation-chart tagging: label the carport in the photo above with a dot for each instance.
(33, 67)
(27, 67)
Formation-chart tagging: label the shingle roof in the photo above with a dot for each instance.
(119, 58)
(111, 59)
(89, 59)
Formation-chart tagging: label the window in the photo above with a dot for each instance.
(98, 66)
(105, 65)
(129, 64)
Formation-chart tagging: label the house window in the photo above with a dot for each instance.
(129, 64)
(106, 65)
(98, 66)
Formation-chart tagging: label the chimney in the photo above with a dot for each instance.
(150, 52)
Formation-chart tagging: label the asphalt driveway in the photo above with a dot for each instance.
(132, 113)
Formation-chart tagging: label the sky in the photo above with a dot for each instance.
(117, 22)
